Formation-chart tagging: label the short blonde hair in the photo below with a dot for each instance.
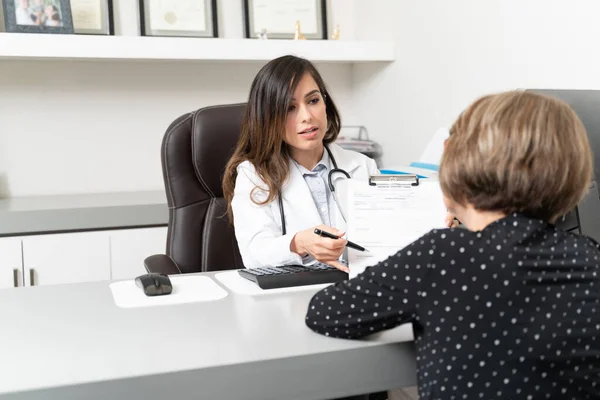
(517, 152)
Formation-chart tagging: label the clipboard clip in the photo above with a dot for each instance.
(394, 180)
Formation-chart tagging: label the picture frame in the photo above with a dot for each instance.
(182, 18)
(93, 17)
(38, 16)
(276, 19)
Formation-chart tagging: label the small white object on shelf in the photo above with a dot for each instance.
(88, 47)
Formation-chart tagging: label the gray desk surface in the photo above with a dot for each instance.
(73, 342)
(64, 213)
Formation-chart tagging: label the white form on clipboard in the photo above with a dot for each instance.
(389, 212)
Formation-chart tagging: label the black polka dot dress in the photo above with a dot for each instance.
(510, 312)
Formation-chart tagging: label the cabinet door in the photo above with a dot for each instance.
(66, 258)
(11, 263)
(129, 248)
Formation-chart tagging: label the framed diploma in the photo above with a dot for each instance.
(37, 16)
(280, 19)
(195, 18)
(93, 17)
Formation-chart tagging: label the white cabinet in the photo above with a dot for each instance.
(11, 265)
(129, 248)
(66, 258)
(78, 257)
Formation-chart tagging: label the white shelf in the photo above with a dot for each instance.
(22, 46)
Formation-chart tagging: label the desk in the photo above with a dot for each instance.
(72, 342)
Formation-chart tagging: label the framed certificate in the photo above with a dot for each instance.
(278, 18)
(37, 16)
(195, 18)
(93, 17)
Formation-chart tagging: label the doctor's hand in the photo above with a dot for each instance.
(325, 250)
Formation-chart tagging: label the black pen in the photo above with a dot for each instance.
(332, 236)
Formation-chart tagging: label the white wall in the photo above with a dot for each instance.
(96, 127)
(89, 127)
(450, 52)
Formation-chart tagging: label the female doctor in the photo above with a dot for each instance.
(283, 179)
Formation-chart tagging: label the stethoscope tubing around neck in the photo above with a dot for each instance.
(334, 170)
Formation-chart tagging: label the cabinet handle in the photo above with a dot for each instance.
(16, 277)
(32, 277)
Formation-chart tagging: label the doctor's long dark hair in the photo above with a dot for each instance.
(263, 127)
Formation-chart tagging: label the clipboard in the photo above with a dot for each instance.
(387, 213)
(394, 180)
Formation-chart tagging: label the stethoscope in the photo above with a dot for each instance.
(334, 170)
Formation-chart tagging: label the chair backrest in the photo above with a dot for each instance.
(195, 150)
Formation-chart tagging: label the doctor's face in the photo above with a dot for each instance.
(306, 121)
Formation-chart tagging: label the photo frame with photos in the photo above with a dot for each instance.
(182, 18)
(276, 19)
(38, 16)
(93, 17)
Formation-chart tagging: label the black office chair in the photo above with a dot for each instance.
(195, 150)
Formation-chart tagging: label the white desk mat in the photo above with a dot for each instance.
(186, 289)
(234, 282)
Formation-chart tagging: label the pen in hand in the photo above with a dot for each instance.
(332, 236)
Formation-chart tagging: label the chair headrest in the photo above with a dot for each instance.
(215, 132)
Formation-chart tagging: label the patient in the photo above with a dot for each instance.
(509, 307)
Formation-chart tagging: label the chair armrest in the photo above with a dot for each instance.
(162, 264)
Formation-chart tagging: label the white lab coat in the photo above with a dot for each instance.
(258, 228)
